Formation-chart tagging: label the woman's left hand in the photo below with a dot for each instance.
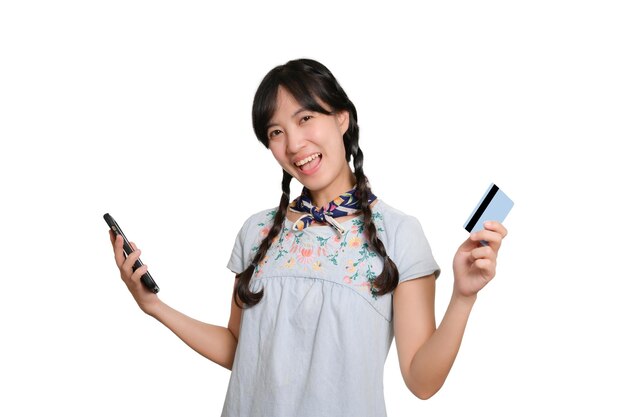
(474, 265)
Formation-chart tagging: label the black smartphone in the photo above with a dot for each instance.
(145, 278)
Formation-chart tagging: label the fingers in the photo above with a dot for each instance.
(487, 268)
(120, 257)
(482, 252)
(496, 227)
(484, 258)
(492, 238)
(493, 234)
(118, 249)
(136, 276)
(127, 265)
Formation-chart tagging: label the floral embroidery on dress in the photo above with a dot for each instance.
(321, 255)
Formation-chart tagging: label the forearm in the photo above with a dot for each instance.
(432, 362)
(213, 342)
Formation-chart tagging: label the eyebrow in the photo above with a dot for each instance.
(300, 110)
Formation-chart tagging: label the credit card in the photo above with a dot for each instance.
(494, 205)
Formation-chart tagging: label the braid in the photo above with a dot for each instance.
(387, 281)
(242, 290)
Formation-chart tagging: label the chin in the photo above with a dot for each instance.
(320, 182)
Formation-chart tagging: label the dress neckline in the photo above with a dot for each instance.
(378, 201)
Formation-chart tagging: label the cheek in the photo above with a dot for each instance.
(279, 155)
(339, 149)
(275, 150)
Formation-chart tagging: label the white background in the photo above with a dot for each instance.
(142, 109)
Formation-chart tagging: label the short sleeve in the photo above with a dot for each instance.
(413, 256)
(237, 262)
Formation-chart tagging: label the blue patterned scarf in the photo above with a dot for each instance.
(344, 205)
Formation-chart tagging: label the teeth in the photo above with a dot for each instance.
(305, 160)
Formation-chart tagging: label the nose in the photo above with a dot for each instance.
(295, 140)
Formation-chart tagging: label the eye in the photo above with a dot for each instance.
(305, 118)
(274, 133)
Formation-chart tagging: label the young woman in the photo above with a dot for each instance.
(324, 282)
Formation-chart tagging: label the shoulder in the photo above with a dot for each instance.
(257, 221)
(400, 232)
(384, 208)
(406, 243)
(394, 219)
(245, 242)
(263, 215)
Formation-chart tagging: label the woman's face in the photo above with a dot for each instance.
(309, 146)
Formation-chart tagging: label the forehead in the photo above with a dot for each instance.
(285, 100)
(287, 105)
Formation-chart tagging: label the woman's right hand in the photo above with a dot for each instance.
(146, 299)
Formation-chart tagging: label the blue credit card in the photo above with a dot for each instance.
(495, 205)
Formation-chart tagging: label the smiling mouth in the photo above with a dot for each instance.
(309, 162)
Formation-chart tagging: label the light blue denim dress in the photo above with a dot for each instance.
(316, 343)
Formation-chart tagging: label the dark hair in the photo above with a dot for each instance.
(310, 82)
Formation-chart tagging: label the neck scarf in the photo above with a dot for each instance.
(344, 205)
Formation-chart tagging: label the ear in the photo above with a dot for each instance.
(343, 119)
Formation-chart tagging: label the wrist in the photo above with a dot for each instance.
(153, 307)
(463, 299)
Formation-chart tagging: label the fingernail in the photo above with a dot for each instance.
(488, 224)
